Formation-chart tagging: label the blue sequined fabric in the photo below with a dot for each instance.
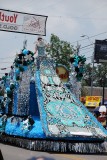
(62, 115)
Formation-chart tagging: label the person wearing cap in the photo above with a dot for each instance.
(102, 117)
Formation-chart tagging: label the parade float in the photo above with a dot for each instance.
(39, 106)
(39, 111)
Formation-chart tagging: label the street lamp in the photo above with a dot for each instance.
(92, 74)
(87, 38)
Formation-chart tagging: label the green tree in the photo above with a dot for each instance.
(101, 75)
(84, 91)
(60, 51)
(87, 75)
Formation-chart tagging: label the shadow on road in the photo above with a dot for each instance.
(40, 158)
(1, 156)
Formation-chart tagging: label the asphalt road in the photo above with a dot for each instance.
(15, 153)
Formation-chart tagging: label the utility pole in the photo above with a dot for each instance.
(78, 48)
(103, 91)
(92, 72)
(77, 53)
(25, 44)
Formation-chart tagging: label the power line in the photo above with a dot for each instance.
(89, 57)
(50, 5)
(87, 52)
(81, 18)
(89, 37)
(85, 48)
(82, 48)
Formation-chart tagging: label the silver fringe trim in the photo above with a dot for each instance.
(56, 146)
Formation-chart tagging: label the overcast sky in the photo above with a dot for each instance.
(68, 19)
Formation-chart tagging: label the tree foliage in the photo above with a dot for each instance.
(87, 75)
(99, 75)
(60, 51)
